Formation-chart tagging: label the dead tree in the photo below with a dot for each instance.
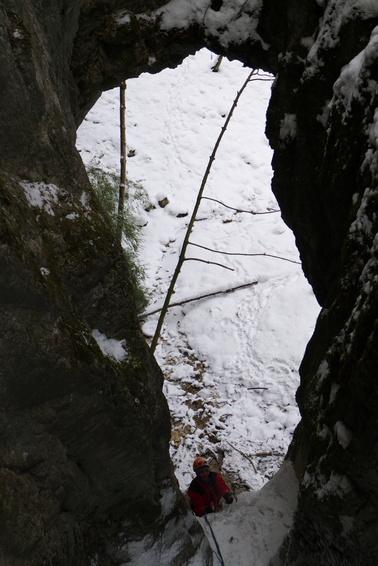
(122, 183)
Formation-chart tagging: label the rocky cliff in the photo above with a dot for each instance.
(84, 461)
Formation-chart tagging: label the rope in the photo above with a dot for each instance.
(219, 555)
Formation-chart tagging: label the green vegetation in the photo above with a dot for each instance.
(106, 186)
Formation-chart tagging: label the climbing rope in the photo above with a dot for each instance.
(218, 554)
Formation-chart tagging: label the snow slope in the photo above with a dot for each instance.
(230, 361)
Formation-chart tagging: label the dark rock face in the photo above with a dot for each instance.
(322, 125)
(84, 462)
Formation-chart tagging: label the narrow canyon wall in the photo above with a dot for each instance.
(325, 137)
(84, 436)
(84, 463)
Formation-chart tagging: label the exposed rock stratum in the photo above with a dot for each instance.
(84, 461)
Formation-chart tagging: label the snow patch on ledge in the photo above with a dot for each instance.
(109, 346)
(337, 485)
(350, 84)
(85, 200)
(179, 537)
(369, 8)
(168, 500)
(123, 19)
(231, 24)
(288, 127)
(41, 194)
(322, 373)
(344, 436)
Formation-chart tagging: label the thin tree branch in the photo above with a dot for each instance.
(271, 453)
(240, 209)
(208, 262)
(215, 69)
(243, 254)
(207, 295)
(243, 454)
(264, 79)
(194, 214)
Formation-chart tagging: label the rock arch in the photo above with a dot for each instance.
(71, 472)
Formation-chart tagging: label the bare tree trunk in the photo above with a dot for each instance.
(215, 69)
(122, 184)
(193, 217)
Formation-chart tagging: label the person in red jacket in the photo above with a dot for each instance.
(207, 488)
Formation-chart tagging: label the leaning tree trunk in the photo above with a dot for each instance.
(122, 184)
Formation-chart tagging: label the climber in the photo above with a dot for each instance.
(207, 488)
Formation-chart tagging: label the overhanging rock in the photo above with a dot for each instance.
(84, 459)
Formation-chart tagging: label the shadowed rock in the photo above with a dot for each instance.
(84, 460)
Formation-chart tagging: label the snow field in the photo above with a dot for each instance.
(230, 361)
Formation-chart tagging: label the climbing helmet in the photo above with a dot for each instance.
(199, 463)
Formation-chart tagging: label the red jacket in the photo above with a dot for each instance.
(203, 495)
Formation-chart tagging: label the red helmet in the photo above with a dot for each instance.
(199, 463)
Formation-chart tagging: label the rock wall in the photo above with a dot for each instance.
(84, 459)
(84, 463)
(322, 123)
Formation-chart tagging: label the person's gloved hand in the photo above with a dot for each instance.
(228, 498)
(209, 510)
